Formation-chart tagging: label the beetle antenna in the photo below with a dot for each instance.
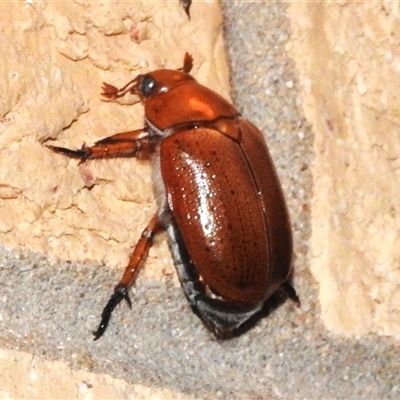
(112, 93)
(187, 63)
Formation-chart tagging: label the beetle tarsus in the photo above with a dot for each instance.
(83, 154)
(120, 293)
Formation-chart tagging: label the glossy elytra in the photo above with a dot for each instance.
(219, 199)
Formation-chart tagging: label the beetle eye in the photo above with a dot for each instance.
(148, 84)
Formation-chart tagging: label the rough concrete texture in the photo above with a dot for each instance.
(159, 348)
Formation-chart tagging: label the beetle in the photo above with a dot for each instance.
(218, 196)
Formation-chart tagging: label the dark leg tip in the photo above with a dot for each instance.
(291, 293)
(99, 333)
(120, 293)
(82, 154)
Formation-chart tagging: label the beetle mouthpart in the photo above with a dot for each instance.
(113, 93)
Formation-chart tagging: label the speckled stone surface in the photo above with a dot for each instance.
(49, 309)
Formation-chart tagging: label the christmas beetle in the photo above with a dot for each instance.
(219, 199)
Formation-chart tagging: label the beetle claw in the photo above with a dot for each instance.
(120, 293)
(127, 299)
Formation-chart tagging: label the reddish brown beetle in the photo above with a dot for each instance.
(218, 195)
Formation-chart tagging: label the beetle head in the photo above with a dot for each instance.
(160, 81)
(149, 85)
(152, 83)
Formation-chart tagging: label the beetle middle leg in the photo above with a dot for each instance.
(138, 143)
(136, 261)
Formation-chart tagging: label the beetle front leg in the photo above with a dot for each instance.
(137, 143)
(136, 261)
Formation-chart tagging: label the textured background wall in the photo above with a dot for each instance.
(348, 57)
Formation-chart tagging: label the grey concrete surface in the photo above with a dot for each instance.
(50, 309)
